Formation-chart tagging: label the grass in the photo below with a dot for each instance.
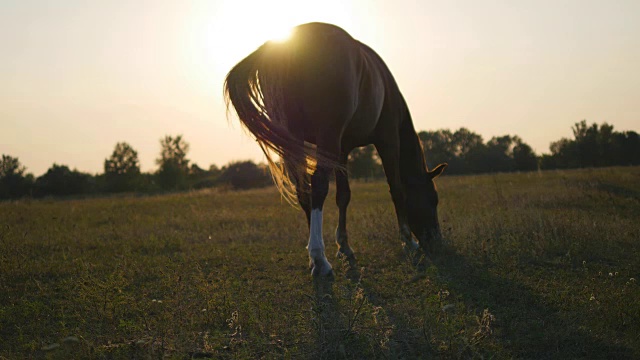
(536, 266)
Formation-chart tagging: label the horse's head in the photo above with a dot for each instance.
(422, 206)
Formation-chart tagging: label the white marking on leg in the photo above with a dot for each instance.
(321, 265)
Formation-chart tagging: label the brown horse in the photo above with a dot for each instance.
(313, 99)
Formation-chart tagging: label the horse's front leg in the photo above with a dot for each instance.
(320, 266)
(390, 156)
(343, 196)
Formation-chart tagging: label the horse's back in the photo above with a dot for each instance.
(327, 64)
(321, 29)
(340, 84)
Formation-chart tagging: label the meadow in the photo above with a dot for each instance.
(539, 265)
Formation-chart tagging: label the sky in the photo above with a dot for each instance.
(79, 76)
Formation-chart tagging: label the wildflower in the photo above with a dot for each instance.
(610, 274)
(632, 279)
(592, 298)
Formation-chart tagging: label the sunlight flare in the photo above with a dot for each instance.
(237, 28)
(281, 34)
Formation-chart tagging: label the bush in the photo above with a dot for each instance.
(245, 175)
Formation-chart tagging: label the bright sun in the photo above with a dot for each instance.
(238, 27)
(281, 35)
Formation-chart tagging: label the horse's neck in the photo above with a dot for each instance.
(412, 162)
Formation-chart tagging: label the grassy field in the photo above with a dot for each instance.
(537, 265)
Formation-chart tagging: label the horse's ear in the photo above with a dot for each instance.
(437, 170)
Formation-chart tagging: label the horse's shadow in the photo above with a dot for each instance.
(336, 323)
(527, 326)
(325, 318)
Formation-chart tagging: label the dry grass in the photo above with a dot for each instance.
(537, 265)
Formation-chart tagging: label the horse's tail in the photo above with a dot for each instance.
(258, 89)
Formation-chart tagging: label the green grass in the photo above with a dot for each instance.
(537, 265)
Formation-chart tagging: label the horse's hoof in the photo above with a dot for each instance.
(410, 247)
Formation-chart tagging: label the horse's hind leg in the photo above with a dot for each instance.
(311, 196)
(303, 189)
(343, 196)
(304, 199)
(319, 190)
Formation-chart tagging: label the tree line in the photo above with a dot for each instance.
(465, 151)
(122, 174)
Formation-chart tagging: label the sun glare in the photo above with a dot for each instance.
(281, 35)
(238, 27)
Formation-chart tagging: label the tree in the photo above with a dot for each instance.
(439, 148)
(200, 178)
(465, 142)
(174, 165)
(470, 149)
(364, 163)
(245, 175)
(60, 180)
(563, 155)
(523, 157)
(214, 170)
(122, 169)
(587, 143)
(627, 148)
(466, 153)
(13, 181)
(196, 171)
(606, 148)
(593, 145)
(498, 156)
(10, 166)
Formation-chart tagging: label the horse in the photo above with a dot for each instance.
(312, 99)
